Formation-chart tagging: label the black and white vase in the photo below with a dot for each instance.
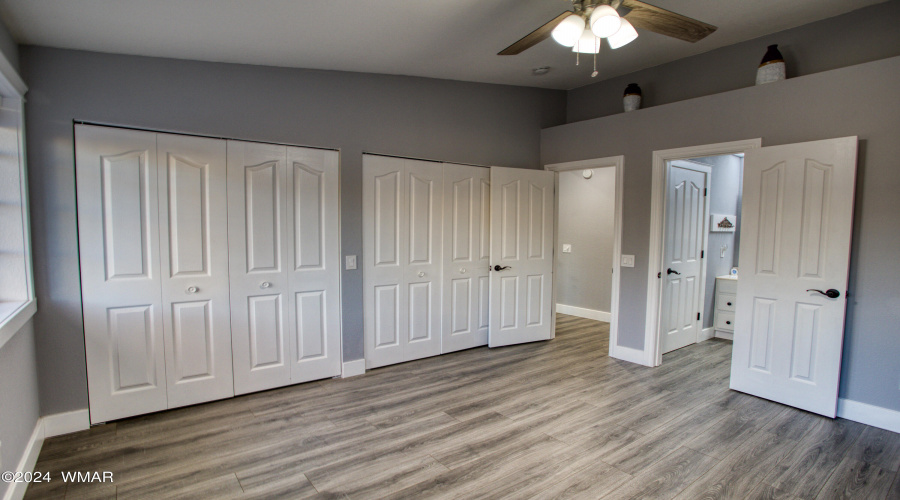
(632, 99)
(772, 68)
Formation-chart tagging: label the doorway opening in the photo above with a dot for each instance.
(588, 240)
(695, 218)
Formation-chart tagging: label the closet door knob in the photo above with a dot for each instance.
(265, 284)
(462, 270)
(192, 289)
(421, 274)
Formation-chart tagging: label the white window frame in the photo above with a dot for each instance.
(15, 314)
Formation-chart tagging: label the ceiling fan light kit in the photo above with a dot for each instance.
(614, 20)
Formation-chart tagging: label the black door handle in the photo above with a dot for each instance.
(670, 271)
(499, 268)
(831, 293)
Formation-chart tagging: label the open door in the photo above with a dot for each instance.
(795, 254)
(521, 256)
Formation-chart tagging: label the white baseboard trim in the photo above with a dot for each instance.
(724, 335)
(706, 334)
(628, 354)
(66, 423)
(16, 491)
(876, 416)
(353, 368)
(583, 312)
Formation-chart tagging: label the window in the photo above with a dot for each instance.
(17, 304)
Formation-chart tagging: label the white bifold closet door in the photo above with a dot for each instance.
(467, 255)
(153, 256)
(285, 264)
(402, 218)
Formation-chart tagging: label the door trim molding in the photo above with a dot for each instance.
(652, 351)
(610, 161)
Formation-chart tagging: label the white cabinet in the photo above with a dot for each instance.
(726, 297)
(154, 270)
(285, 264)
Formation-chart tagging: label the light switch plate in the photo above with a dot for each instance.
(567, 248)
(351, 262)
(628, 261)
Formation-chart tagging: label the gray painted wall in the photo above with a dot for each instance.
(586, 219)
(849, 101)
(864, 35)
(724, 198)
(20, 407)
(416, 117)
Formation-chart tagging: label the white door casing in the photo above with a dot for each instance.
(522, 234)
(259, 278)
(685, 238)
(314, 254)
(118, 223)
(193, 230)
(467, 250)
(402, 213)
(797, 217)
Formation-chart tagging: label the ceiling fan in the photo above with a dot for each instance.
(592, 20)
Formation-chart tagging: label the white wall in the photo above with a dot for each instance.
(586, 220)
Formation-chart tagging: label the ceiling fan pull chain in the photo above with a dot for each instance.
(594, 74)
(577, 58)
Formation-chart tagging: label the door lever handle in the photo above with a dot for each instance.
(831, 293)
(498, 267)
(671, 271)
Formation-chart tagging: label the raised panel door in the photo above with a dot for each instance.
(194, 261)
(118, 222)
(259, 270)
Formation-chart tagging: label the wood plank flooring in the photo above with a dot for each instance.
(557, 419)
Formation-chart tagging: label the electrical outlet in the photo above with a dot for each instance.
(567, 248)
(628, 261)
(351, 262)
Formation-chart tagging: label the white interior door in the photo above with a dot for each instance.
(118, 225)
(686, 225)
(315, 274)
(194, 241)
(796, 230)
(522, 255)
(467, 253)
(260, 298)
(402, 211)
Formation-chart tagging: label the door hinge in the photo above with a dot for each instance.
(659, 275)
(698, 316)
(702, 253)
(704, 191)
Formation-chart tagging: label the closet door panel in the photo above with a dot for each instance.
(315, 273)
(260, 286)
(466, 256)
(194, 238)
(424, 206)
(384, 256)
(120, 271)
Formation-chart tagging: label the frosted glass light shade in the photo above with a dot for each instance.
(587, 44)
(624, 36)
(568, 31)
(605, 21)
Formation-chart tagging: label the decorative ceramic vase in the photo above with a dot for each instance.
(771, 69)
(632, 99)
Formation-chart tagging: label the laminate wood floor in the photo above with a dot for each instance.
(544, 420)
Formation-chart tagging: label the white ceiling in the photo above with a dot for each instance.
(451, 39)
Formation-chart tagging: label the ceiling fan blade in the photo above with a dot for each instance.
(535, 37)
(664, 22)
